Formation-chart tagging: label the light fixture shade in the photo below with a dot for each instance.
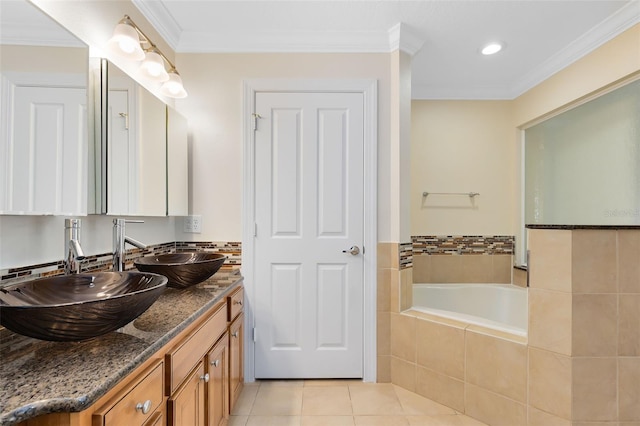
(173, 87)
(153, 67)
(125, 42)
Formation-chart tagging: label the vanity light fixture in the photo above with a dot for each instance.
(153, 66)
(492, 48)
(173, 86)
(129, 42)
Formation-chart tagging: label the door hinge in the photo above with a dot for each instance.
(255, 229)
(255, 118)
(255, 339)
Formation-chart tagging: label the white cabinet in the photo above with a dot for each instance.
(43, 144)
(177, 164)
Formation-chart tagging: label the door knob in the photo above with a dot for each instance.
(354, 250)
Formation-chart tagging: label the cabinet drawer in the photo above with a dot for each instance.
(186, 354)
(136, 404)
(235, 303)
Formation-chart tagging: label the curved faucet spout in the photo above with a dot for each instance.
(73, 252)
(119, 241)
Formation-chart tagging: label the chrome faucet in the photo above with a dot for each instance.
(119, 240)
(73, 253)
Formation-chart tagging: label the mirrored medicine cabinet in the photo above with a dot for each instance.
(141, 151)
(43, 114)
(80, 136)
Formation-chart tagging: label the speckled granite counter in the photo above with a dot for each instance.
(574, 227)
(38, 377)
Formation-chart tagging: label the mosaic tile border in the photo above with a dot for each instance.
(406, 255)
(463, 245)
(102, 262)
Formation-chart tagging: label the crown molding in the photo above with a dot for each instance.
(286, 41)
(160, 18)
(622, 20)
(428, 92)
(402, 37)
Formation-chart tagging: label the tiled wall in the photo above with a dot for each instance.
(584, 325)
(580, 364)
(103, 262)
(395, 281)
(476, 371)
(463, 259)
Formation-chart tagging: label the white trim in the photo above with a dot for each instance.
(369, 89)
(162, 20)
(521, 254)
(620, 21)
(401, 37)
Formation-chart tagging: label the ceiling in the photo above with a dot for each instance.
(541, 36)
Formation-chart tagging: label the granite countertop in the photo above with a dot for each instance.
(39, 377)
(571, 227)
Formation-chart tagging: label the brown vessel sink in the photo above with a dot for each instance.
(79, 306)
(182, 269)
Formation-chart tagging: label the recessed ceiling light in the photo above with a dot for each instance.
(491, 48)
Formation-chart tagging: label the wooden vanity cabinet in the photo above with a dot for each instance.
(235, 305)
(192, 381)
(217, 363)
(186, 406)
(236, 354)
(138, 404)
(188, 379)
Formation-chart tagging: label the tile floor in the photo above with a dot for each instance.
(338, 403)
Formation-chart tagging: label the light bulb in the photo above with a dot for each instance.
(153, 66)
(173, 87)
(125, 42)
(491, 48)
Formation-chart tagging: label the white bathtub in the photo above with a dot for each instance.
(499, 306)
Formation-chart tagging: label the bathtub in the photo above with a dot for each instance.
(502, 307)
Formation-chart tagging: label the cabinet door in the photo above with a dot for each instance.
(236, 356)
(218, 390)
(187, 406)
(43, 160)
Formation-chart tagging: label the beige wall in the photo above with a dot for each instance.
(462, 146)
(214, 109)
(614, 60)
(49, 59)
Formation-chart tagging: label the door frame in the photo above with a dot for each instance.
(369, 89)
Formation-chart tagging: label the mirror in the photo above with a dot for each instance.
(177, 164)
(43, 114)
(132, 167)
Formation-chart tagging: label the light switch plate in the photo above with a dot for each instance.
(193, 224)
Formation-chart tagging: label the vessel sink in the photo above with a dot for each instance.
(182, 269)
(79, 306)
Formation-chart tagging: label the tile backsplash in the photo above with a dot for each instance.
(466, 244)
(102, 262)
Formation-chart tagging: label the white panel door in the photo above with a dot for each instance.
(309, 211)
(44, 151)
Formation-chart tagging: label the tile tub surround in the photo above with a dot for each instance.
(584, 323)
(463, 259)
(103, 261)
(471, 369)
(580, 363)
(38, 377)
(394, 293)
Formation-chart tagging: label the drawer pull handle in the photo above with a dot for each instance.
(215, 363)
(205, 378)
(234, 334)
(238, 302)
(144, 407)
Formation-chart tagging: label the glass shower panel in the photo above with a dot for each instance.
(582, 167)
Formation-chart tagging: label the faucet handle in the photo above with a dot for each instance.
(133, 221)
